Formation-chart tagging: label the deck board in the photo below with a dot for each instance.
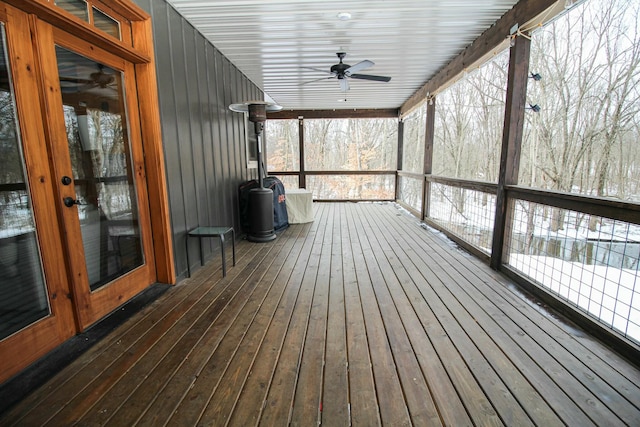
(359, 318)
(362, 388)
(335, 392)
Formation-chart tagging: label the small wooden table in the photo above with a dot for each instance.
(219, 232)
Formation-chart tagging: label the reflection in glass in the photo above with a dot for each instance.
(23, 296)
(75, 7)
(96, 124)
(106, 23)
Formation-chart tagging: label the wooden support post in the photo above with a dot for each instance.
(428, 155)
(400, 154)
(511, 141)
(302, 177)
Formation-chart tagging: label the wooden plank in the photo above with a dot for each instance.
(515, 318)
(393, 410)
(223, 399)
(537, 326)
(155, 169)
(126, 402)
(112, 393)
(419, 400)
(84, 389)
(422, 328)
(220, 332)
(302, 178)
(484, 187)
(128, 333)
(484, 353)
(167, 398)
(51, 14)
(334, 114)
(249, 404)
(512, 135)
(308, 399)
(363, 172)
(600, 357)
(335, 393)
(428, 281)
(279, 399)
(429, 137)
(493, 352)
(362, 389)
(608, 208)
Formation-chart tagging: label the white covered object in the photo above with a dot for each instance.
(299, 206)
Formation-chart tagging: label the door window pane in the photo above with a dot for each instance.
(75, 7)
(23, 296)
(106, 23)
(96, 124)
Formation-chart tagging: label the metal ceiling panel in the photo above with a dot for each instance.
(276, 43)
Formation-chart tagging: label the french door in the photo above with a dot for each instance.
(98, 164)
(75, 233)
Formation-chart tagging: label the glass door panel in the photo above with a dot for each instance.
(23, 295)
(100, 153)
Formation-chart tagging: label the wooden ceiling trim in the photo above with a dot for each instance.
(50, 13)
(128, 9)
(524, 13)
(335, 114)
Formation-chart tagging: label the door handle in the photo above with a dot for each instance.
(70, 201)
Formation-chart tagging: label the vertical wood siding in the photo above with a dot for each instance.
(204, 142)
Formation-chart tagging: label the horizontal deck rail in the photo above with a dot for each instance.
(610, 208)
(589, 276)
(474, 235)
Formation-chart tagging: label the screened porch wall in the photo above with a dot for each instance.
(204, 142)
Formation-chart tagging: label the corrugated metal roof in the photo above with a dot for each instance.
(273, 41)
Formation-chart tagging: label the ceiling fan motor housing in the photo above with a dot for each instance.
(340, 68)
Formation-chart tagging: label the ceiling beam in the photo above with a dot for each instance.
(524, 13)
(335, 114)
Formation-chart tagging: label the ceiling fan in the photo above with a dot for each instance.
(343, 71)
(100, 78)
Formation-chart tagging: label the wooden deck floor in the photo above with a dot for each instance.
(361, 317)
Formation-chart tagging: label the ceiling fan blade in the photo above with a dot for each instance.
(76, 80)
(370, 77)
(317, 80)
(344, 85)
(318, 69)
(358, 67)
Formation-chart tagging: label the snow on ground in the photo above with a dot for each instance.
(609, 294)
(600, 283)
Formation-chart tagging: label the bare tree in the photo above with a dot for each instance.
(589, 60)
